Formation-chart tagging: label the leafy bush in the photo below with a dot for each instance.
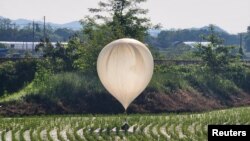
(168, 80)
(70, 86)
(216, 56)
(240, 75)
(14, 75)
(77, 92)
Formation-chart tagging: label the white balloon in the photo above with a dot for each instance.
(125, 67)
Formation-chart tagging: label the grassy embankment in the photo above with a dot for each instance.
(172, 88)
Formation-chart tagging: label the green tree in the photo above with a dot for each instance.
(127, 18)
(61, 57)
(216, 56)
(112, 20)
(46, 47)
(95, 38)
(64, 33)
(247, 40)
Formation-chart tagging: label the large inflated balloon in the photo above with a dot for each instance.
(125, 67)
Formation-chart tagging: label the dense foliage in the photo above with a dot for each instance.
(71, 92)
(216, 55)
(126, 20)
(14, 76)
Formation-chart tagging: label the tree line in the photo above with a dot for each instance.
(167, 38)
(9, 31)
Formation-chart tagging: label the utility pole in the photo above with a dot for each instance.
(241, 52)
(33, 36)
(15, 32)
(240, 40)
(12, 32)
(44, 33)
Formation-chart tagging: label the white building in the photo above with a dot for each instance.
(193, 44)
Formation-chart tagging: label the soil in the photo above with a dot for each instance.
(150, 102)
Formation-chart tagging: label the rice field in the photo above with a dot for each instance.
(148, 127)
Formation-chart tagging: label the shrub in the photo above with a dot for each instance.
(14, 75)
(70, 86)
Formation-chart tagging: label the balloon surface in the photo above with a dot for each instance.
(125, 67)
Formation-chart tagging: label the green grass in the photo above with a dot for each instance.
(83, 127)
(22, 93)
(63, 85)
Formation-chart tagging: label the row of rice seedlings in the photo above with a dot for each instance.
(104, 132)
(33, 135)
(38, 133)
(162, 131)
(69, 136)
(78, 137)
(151, 131)
(174, 135)
(87, 136)
(13, 135)
(3, 135)
(21, 135)
(59, 136)
(35, 125)
(48, 130)
(158, 128)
